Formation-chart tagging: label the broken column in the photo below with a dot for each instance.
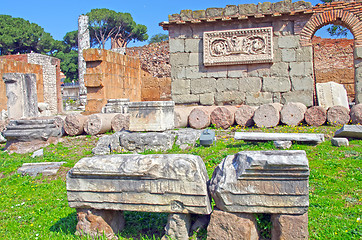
(338, 115)
(172, 183)
(120, 121)
(98, 123)
(292, 114)
(244, 116)
(199, 118)
(315, 116)
(74, 124)
(356, 114)
(22, 95)
(223, 117)
(267, 115)
(83, 43)
(274, 182)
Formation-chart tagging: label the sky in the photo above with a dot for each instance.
(60, 17)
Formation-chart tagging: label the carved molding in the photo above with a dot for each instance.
(242, 46)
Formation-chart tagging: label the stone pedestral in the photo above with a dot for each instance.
(274, 182)
(151, 116)
(174, 183)
(22, 95)
(116, 106)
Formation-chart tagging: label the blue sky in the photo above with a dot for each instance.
(60, 17)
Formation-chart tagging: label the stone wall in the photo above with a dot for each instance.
(10, 66)
(111, 75)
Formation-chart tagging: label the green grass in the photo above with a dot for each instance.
(37, 208)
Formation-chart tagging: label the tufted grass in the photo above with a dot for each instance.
(37, 208)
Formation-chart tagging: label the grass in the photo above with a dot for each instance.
(37, 208)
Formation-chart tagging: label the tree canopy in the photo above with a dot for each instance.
(20, 36)
(105, 24)
(160, 37)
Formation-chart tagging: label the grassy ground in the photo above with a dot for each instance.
(37, 208)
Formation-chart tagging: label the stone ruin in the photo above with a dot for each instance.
(274, 182)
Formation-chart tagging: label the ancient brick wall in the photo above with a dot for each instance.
(10, 66)
(111, 75)
(333, 61)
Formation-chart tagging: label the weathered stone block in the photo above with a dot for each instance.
(291, 41)
(218, 71)
(180, 86)
(207, 99)
(174, 183)
(288, 55)
(282, 6)
(338, 142)
(177, 45)
(250, 84)
(352, 131)
(231, 10)
(305, 97)
(45, 168)
(304, 54)
(301, 69)
(249, 187)
(258, 98)
(139, 142)
(227, 84)
(245, 9)
(237, 71)
(302, 83)
(178, 226)
(214, 12)
(186, 98)
(331, 94)
(276, 84)
(199, 14)
(193, 72)
(193, 45)
(179, 59)
(151, 116)
(203, 85)
(178, 72)
(290, 226)
(301, 5)
(186, 15)
(229, 97)
(259, 70)
(195, 59)
(280, 69)
(264, 7)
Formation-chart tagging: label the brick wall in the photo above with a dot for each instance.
(111, 75)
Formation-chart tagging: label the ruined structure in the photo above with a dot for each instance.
(254, 54)
(83, 43)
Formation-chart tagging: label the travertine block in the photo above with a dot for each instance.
(285, 226)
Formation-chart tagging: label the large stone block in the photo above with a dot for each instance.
(229, 97)
(195, 59)
(258, 98)
(302, 83)
(151, 116)
(193, 45)
(331, 94)
(352, 131)
(193, 72)
(180, 86)
(305, 97)
(285, 226)
(237, 71)
(207, 99)
(291, 41)
(179, 59)
(174, 183)
(203, 85)
(304, 54)
(227, 84)
(177, 45)
(216, 71)
(250, 84)
(245, 9)
(279, 69)
(178, 72)
(262, 182)
(259, 70)
(288, 55)
(301, 69)
(139, 142)
(276, 84)
(186, 98)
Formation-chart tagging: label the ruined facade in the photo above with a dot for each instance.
(254, 54)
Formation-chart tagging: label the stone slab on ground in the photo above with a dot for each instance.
(289, 227)
(338, 142)
(282, 144)
(331, 94)
(226, 225)
(45, 168)
(262, 182)
(261, 136)
(173, 183)
(186, 137)
(349, 131)
(38, 153)
(27, 147)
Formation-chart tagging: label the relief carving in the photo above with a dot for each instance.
(243, 46)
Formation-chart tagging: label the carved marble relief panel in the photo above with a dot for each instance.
(243, 46)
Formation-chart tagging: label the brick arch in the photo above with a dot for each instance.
(340, 17)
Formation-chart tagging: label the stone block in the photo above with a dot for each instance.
(21, 91)
(349, 131)
(237, 71)
(229, 98)
(280, 69)
(245, 9)
(250, 188)
(264, 7)
(290, 41)
(186, 15)
(356, 114)
(301, 69)
(178, 72)
(186, 136)
(250, 84)
(226, 225)
(174, 17)
(203, 85)
(305, 97)
(137, 142)
(288, 55)
(282, 144)
(258, 98)
(194, 72)
(301, 5)
(45, 168)
(180, 86)
(227, 84)
(199, 14)
(207, 99)
(298, 137)
(231, 10)
(282, 6)
(214, 12)
(217, 71)
(276, 84)
(174, 183)
(193, 45)
(151, 116)
(259, 70)
(304, 54)
(300, 83)
(178, 226)
(357, 53)
(195, 59)
(179, 59)
(339, 142)
(185, 98)
(331, 94)
(285, 226)
(116, 106)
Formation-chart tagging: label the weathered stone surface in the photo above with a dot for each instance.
(349, 131)
(2, 139)
(223, 117)
(315, 116)
(288, 42)
(292, 114)
(83, 43)
(226, 225)
(22, 97)
(298, 137)
(28, 147)
(267, 115)
(45, 168)
(304, 83)
(244, 116)
(251, 188)
(186, 137)
(96, 223)
(116, 106)
(178, 226)
(74, 124)
(38, 153)
(151, 116)
(338, 115)
(331, 94)
(338, 142)
(199, 118)
(182, 115)
(305, 97)
(257, 98)
(120, 122)
(282, 144)
(59, 123)
(107, 144)
(356, 114)
(98, 123)
(174, 183)
(289, 226)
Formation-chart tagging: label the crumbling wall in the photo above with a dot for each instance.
(111, 75)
